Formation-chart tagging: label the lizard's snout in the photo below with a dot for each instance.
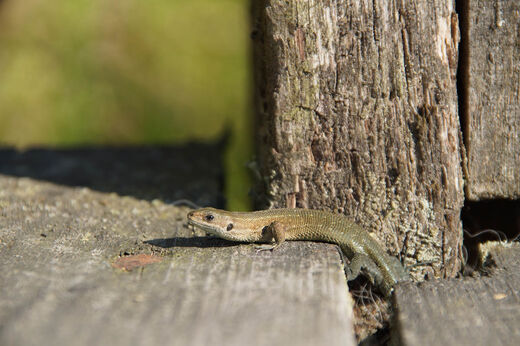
(191, 215)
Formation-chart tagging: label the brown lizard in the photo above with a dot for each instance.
(365, 254)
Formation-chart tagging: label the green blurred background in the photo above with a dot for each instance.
(100, 72)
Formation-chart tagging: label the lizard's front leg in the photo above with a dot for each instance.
(275, 230)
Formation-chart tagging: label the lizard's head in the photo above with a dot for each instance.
(223, 224)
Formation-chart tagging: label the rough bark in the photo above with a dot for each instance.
(357, 113)
(492, 103)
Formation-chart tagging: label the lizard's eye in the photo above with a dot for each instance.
(209, 217)
(230, 227)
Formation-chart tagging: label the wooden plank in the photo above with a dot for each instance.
(493, 99)
(471, 311)
(63, 282)
(358, 114)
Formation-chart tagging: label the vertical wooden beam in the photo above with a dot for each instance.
(357, 112)
(492, 118)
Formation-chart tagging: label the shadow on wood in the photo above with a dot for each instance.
(200, 242)
(169, 173)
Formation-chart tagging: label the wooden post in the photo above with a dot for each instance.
(492, 98)
(357, 113)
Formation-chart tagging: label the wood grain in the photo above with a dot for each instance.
(61, 247)
(493, 99)
(472, 311)
(357, 113)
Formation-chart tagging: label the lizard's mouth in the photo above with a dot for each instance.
(203, 226)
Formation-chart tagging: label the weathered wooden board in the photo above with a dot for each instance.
(471, 311)
(358, 113)
(492, 104)
(63, 281)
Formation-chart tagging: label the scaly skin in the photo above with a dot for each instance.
(278, 225)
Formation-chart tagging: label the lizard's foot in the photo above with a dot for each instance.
(364, 264)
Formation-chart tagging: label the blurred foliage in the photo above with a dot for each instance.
(127, 72)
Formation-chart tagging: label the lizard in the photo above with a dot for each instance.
(277, 225)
